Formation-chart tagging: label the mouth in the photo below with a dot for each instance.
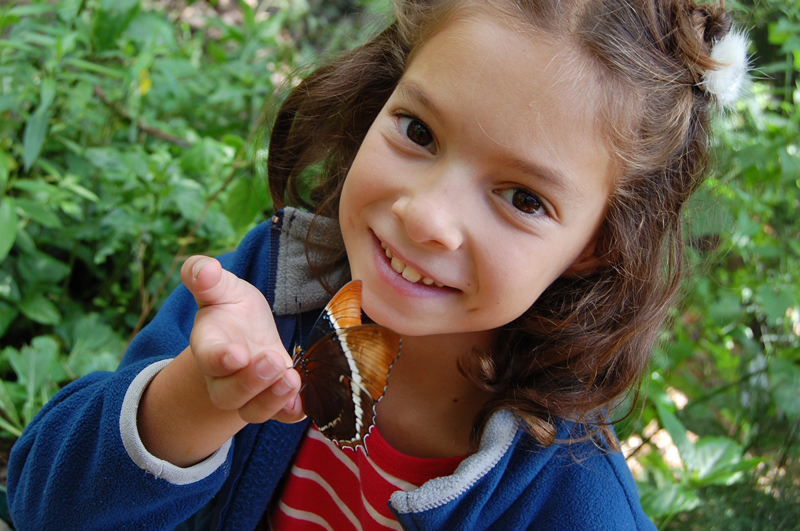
(406, 271)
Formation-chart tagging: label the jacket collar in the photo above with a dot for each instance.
(303, 236)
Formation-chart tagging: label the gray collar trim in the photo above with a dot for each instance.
(296, 287)
(496, 440)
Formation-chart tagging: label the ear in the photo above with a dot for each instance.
(589, 261)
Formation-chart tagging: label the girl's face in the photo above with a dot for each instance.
(483, 176)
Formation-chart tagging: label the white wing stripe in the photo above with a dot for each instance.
(355, 382)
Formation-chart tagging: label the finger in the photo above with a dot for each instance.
(199, 273)
(220, 359)
(268, 404)
(210, 283)
(292, 412)
(264, 371)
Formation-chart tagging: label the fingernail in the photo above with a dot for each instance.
(290, 404)
(266, 369)
(198, 266)
(282, 387)
(232, 362)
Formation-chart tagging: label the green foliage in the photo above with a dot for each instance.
(731, 359)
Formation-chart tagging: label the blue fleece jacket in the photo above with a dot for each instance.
(81, 466)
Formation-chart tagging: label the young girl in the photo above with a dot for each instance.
(506, 179)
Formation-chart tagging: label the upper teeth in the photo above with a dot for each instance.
(408, 272)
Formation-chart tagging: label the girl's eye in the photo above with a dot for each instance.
(522, 200)
(416, 131)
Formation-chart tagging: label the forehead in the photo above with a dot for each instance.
(521, 89)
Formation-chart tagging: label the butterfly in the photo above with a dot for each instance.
(345, 369)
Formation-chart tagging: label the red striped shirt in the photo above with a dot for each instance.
(338, 489)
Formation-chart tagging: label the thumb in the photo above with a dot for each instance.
(205, 279)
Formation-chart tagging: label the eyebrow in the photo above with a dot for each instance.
(414, 91)
(550, 177)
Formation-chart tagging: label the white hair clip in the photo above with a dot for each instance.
(725, 83)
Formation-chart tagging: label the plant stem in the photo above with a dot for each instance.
(172, 139)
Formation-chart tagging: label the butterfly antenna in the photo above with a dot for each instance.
(296, 346)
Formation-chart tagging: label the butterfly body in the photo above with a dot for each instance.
(345, 369)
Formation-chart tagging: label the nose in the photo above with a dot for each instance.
(431, 214)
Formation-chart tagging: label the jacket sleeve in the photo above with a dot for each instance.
(71, 468)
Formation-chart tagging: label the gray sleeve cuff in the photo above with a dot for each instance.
(139, 454)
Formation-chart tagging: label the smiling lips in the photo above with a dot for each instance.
(408, 272)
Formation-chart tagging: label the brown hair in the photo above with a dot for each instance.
(586, 341)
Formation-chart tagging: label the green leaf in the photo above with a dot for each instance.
(37, 307)
(38, 123)
(249, 17)
(35, 134)
(36, 187)
(24, 241)
(4, 424)
(8, 227)
(9, 409)
(68, 9)
(48, 94)
(10, 101)
(7, 20)
(38, 213)
(5, 171)
(96, 347)
(70, 183)
(38, 268)
(206, 157)
(112, 18)
(726, 309)
(714, 457)
(32, 10)
(234, 141)
(48, 168)
(677, 431)
(34, 366)
(189, 199)
(8, 314)
(31, 364)
(8, 287)
(784, 376)
(708, 215)
(149, 30)
(774, 304)
(91, 67)
(241, 207)
(72, 209)
(669, 500)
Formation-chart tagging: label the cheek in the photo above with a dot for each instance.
(517, 281)
(362, 181)
(346, 209)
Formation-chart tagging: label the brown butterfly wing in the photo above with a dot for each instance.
(326, 398)
(374, 349)
(345, 375)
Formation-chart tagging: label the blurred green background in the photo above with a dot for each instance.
(130, 138)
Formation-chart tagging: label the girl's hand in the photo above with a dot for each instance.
(237, 348)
